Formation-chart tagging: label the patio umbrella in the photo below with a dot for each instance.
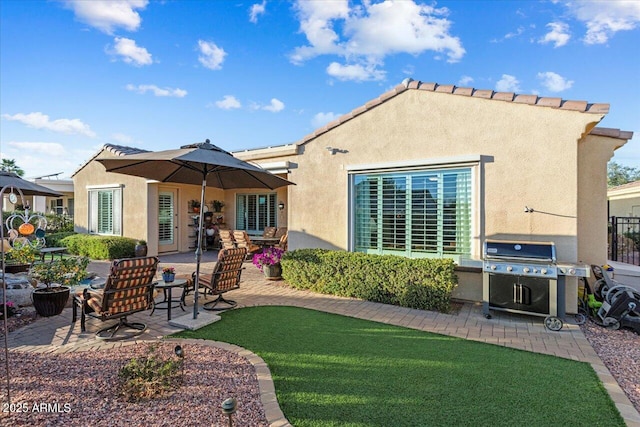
(199, 164)
(11, 180)
(16, 188)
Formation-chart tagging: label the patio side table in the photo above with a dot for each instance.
(169, 302)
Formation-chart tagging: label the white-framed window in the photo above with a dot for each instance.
(105, 211)
(56, 206)
(414, 213)
(254, 212)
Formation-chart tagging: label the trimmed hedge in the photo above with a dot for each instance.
(55, 239)
(416, 283)
(100, 247)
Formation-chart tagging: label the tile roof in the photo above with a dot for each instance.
(118, 150)
(627, 186)
(410, 84)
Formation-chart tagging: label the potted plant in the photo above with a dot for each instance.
(217, 205)
(56, 276)
(168, 274)
(195, 206)
(269, 263)
(20, 257)
(141, 248)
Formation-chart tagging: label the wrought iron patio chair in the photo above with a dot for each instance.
(127, 290)
(224, 278)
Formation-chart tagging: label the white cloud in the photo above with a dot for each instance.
(322, 119)
(41, 121)
(355, 72)
(50, 149)
(465, 81)
(130, 52)
(107, 15)
(157, 91)
(41, 158)
(257, 10)
(508, 84)
(275, 106)
(368, 33)
(559, 34)
(229, 102)
(516, 33)
(554, 82)
(211, 56)
(605, 18)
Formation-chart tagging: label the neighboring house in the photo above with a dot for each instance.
(424, 170)
(63, 205)
(624, 200)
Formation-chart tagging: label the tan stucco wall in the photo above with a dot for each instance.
(135, 209)
(594, 153)
(140, 204)
(625, 206)
(533, 162)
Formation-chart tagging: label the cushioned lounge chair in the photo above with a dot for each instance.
(224, 278)
(226, 239)
(127, 290)
(243, 241)
(269, 232)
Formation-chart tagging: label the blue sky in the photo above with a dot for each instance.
(75, 75)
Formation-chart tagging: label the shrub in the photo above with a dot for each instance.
(149, 376)
(55, 239)
(100, 247)
(416, 283)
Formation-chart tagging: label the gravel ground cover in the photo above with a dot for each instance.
(81, 389)
(620, 352)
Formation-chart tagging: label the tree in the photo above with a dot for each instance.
(9, 165)
(618, 174)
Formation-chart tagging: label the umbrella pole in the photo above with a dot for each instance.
(199, 247)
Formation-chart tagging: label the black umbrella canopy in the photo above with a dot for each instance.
(191, 164)
(28, 188)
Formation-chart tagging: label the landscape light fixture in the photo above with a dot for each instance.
(229, 407)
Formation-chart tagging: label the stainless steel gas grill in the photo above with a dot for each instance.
(523, 277)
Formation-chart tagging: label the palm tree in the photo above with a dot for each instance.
(9, 165)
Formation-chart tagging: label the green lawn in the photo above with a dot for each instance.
(331, 370)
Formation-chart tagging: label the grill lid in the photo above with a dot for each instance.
(523, 251)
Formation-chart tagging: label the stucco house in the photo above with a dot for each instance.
(624, 200)
(424, 170)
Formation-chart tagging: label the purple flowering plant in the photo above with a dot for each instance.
(269, 256)
(11, 309)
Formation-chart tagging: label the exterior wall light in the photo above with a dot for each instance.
(281, 205)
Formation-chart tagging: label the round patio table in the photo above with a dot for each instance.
(169, 302)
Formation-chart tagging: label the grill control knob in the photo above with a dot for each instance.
(526, 269)
(509, 268)
(572, 271)
(493, 267)
(543, 271)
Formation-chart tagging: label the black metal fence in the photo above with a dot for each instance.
(624, 239)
